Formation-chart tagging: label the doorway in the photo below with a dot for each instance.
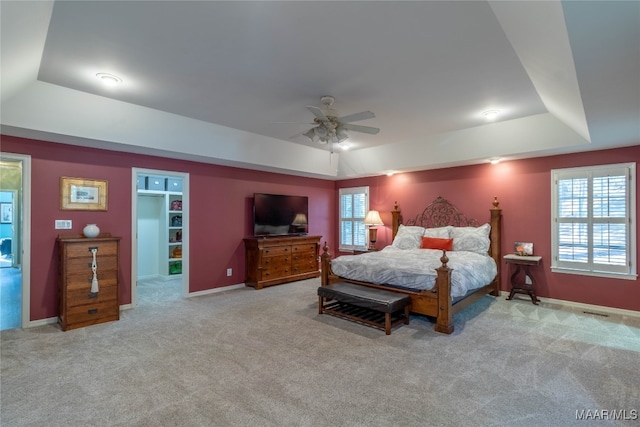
(160, 213)
(15, 227)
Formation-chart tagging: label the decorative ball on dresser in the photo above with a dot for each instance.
(91, 231)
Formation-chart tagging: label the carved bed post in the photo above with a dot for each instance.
(495, 247)
(444, 321)
(395, 220)
(325, 265)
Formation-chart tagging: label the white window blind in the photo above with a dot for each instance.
(354, 205)
(593, 220)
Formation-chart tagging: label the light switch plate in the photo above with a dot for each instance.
(63, 224)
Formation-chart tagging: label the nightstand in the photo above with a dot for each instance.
(522, 281)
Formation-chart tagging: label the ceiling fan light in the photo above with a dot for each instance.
(342, 134)
(321, 131)
(310, 134)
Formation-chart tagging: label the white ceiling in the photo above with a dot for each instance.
(227, 82)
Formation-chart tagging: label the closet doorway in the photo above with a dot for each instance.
(160, 224)
(15, 229)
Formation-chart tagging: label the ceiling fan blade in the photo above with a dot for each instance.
(363, 129)
(292, 123)
(318, 113)
(299, 134)
(356, 117)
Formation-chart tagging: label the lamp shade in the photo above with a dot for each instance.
(373, 218)
(300, 219)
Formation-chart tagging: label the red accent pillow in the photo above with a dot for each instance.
(436, 243)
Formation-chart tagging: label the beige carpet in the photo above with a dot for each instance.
(267, 358)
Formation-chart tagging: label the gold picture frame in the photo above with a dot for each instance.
(83, 194)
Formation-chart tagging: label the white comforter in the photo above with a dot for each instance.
(415, 268)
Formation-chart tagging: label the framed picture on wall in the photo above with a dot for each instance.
(83, 194)
(6, 213)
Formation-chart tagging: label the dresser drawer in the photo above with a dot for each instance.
(75, 297)
(91, 313)
(276, 250)
(82, 281)
(309, 256)
(305, 248)
(83, 249)
(304, 266)
(275, 272)
(275, 261)
(83, 265)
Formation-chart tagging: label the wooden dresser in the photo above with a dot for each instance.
(79, 307)
(274, 260)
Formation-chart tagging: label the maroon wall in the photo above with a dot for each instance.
(523, 188)
(220, 212)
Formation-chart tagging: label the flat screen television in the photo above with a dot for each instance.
(280, 215)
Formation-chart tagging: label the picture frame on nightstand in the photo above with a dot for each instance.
(523, 248)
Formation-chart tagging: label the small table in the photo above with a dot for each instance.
(519, 285)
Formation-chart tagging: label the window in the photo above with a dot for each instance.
(593, 221)
(354, 205)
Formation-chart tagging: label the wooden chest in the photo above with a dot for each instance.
(79, 307)
(274, 260)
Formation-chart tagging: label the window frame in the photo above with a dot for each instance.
(592, 267)
(346, 191)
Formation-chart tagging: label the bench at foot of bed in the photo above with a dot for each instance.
(374, 307)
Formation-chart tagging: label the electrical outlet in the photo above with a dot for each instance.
(229, 272)
(63, 224)
(527, 280)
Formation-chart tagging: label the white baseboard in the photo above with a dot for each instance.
(590, 308)
(166, 278)
(215, 290)
(53, 320)
(41, 322)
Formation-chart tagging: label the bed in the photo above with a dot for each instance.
(440, 281)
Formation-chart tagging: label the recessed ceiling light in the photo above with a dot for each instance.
(491, 114)
(109, 79)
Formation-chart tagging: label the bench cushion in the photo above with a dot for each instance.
(363, 296)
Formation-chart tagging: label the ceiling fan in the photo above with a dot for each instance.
(332, 128)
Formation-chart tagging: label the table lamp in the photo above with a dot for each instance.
(372, 220)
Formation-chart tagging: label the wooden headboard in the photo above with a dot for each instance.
(438, 213)
(441, 212)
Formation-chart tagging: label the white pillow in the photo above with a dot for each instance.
(471, 239)
(408, 237)
(439, 232)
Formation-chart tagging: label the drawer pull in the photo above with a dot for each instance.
(91, 248)
(93, 295)
(92, 311)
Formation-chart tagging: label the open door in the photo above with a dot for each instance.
(160, 221)
(15, 227)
